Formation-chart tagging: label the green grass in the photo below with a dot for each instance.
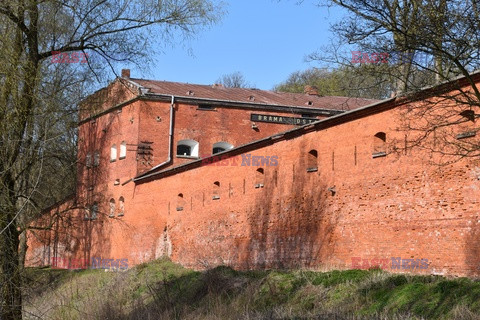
(164, 290)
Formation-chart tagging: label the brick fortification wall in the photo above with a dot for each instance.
(355, 206)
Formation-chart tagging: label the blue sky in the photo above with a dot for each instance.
(265, 40)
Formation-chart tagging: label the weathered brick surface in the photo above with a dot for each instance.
(230, 125)
(355, 205)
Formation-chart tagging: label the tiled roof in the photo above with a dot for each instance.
(218, 92)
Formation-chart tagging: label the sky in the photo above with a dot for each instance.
(265, 40)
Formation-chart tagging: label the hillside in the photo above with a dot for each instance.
(164, 290)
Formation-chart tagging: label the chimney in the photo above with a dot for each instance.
(310, 90)
(217, 85)
(126, 73)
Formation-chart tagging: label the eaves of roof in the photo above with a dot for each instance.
(220, 103)
(241, 104)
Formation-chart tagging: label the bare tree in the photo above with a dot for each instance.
(429, 42)
(439, 38)
(32, 33)
(233, 80)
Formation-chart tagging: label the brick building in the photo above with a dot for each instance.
(257, 179)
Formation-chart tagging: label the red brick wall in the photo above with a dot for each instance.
(117, 92)
(400, 205)
(98, 182)
(394, 206)
(51, 236)
(224, 124)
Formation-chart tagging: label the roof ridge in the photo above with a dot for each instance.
(212, 86)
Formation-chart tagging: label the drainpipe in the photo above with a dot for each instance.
(170, 138)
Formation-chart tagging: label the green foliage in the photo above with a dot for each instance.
(39, 95)
(348, 81)
(336, 277)
(164, 290)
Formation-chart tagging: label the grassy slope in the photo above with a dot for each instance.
(164, 290)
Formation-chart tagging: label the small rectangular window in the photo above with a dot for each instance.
(88, 160)
(91, 212)
(205, 107)
(465, 135)
(123, 150)
(96, 159)
(113, 153)
(121, 206)
(94, 211)
(379, 145)
(379, 154)
(312, 158)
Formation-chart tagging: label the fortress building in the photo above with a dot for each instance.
(209, 175)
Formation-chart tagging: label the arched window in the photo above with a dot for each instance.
(216, 190)
(88, 160)
(467, 130)
(312, 158)
(121, 206)
(379, 145)
(187, 148)
(180, 202)
(87, 213)
(96, 158)
(123, 150)
(94, 211)
(468, 114)
(113, 153)
(259, 178)
(221, 146)
(112, 208)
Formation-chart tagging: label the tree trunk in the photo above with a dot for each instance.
(22, 252)
(10, 273)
